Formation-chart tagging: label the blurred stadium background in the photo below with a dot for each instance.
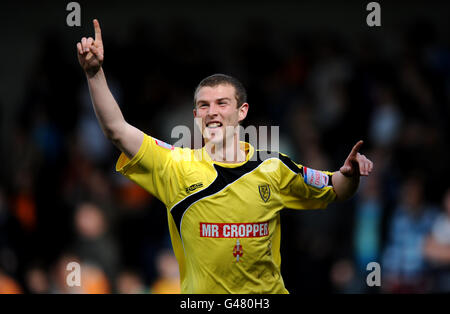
(313, 68)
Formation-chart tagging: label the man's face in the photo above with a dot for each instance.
(217, 108)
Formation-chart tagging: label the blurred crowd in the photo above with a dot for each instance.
(61, 199)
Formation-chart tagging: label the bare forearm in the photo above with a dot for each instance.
(345, 187)
(90, 56)
(105, 106)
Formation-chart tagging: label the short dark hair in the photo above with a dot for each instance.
(219, 79)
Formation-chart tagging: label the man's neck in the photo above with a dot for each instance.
(230, 152)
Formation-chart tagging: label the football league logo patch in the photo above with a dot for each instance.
(315, 178)
(264, 192)
(163, 144)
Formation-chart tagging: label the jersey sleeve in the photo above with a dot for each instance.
(304, 188)
(153, 168)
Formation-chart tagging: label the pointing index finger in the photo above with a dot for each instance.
(356, 148)
(98, 32)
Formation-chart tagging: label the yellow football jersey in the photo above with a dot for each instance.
(224, 218)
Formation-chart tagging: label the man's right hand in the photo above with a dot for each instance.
(90, 52)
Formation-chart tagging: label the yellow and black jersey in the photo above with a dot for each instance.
(224, 218)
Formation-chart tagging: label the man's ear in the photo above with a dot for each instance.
(195, 113)
(243, 109)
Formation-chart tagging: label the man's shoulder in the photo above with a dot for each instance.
(280, 158)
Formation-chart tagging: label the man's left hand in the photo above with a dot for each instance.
(356, 164)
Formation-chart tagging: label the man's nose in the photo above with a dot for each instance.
(212, 110)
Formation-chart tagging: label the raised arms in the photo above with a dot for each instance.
(124, 136)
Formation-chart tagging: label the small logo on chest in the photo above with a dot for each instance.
(194, 187)
(238, 250)
(264, 192)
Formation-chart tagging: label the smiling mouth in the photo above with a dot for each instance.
(214, 125)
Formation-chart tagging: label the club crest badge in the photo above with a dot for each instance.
(264, 192)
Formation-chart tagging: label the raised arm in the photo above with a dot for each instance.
(346, 180)
(124, 136)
